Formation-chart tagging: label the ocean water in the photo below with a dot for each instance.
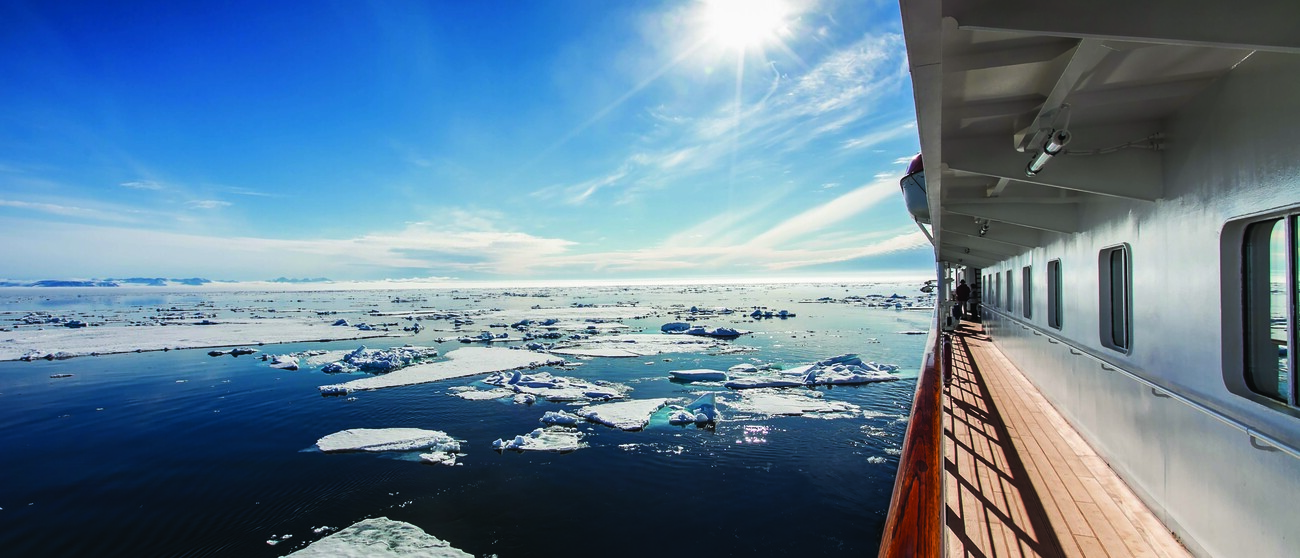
(180, 454)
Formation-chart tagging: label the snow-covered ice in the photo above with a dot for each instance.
(382, 361)
(698, 375)
(791, 402)
(469, 361)
(560, 418)
(381, 537)
(388, 439)
(555, 388)
(284, 362)
(542, 439)
(845, 369)
(475, 394)
(108, 339)
(639, 345)
(625, 415)
(701, 411)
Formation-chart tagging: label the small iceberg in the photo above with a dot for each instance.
(624, 415)
(284, 362)
(388, 439)
(698, 375)
(543, 439)
(674, 327)
(848, 370)
(703, 410)
(381, 537)
(560, 418)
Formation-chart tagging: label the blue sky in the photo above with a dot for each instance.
(478, 140)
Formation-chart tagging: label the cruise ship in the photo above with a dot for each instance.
(1119, 182)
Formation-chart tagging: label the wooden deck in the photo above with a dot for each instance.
(1020, 481)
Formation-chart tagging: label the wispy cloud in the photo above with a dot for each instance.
(207, 204)
(70, 211)
(830, 213)
(142, 185)
(831, 99)
(878, 137)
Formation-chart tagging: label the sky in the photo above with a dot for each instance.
(484, 140)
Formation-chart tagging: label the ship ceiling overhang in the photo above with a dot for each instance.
(993, 80)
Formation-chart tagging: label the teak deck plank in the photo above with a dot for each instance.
(1020, 481)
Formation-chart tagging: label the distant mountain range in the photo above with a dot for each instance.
(138, 282)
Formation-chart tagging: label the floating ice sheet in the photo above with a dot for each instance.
(698, 375)
(388, 439)
(845, 369)
(381, 537)
(474, 394)
(556, 388)
(625, 415)
(543, 439)
(469, 361)
(639, 345)
(70, 342)
(791, 403)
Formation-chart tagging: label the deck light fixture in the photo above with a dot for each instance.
(1054, 145)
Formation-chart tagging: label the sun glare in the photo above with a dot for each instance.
(744, 24)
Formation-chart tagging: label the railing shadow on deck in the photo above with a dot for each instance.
(977, 403)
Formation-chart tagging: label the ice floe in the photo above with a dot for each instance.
(701, 411)
(374, 361)
(388, 439)
(469, 361)
(698, 375)
(64, 342)
(624, 415)
(381, 537)
(639, 345)
(846, 369)
(284, 362)
(792, 403)
(474, 394)
(556, 388)
(543, 439)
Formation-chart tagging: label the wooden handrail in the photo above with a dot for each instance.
(915, 524)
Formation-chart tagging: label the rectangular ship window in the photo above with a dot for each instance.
(997, 290)
(1026, 285)
(1269, 266)
(1054, 292)
(1010, 289)
(1116, 298)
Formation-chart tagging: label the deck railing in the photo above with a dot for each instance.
(915, 525)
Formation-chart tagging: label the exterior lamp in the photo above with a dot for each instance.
(1054, 146)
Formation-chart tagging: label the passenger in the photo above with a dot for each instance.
(963, 295)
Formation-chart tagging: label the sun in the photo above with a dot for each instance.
(745, 24)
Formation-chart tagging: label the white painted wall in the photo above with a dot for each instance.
(1231, 153)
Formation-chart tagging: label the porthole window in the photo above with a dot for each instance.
(1116, 297)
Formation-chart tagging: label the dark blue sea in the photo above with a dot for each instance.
(178, 453)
